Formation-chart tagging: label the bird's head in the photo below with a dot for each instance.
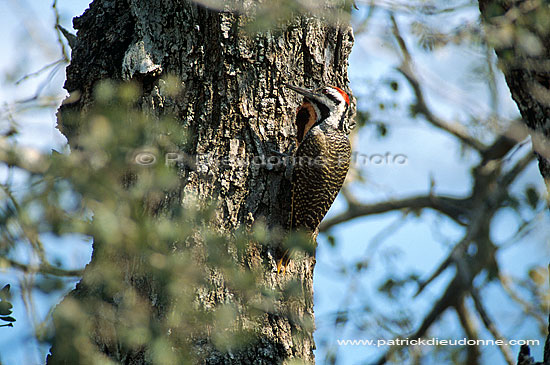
(330, 105)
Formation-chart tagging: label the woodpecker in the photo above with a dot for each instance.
(322, 159)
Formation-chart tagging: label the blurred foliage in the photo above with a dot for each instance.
(154, 251)
(269, 15)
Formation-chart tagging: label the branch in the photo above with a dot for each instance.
(444, 265)
(45, 268)
(454, 208)
(406, 69)
(511, 175)
(26, 158)
(505, 142)
(470, 329)
(71, 38)
(452, 295)
(490, 325)
(36, 73)
(525, 305)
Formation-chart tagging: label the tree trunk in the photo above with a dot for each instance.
(519, 34)
(233, 103)
(518, 30)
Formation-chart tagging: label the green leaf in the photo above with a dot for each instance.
(532, 197)
(8, 319)
(341, 318)
(381, 129)
(5, 308)
(5, 292)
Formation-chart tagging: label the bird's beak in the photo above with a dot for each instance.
(308, 94)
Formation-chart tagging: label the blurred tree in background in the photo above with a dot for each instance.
(172, 107)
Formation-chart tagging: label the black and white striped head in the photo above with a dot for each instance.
(330, 104)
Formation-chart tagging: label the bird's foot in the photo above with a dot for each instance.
(283, 263)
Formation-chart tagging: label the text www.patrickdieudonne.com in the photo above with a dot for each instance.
(435, 342)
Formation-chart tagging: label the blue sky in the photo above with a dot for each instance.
(418, 243)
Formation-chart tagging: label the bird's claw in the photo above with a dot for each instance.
(283, 263)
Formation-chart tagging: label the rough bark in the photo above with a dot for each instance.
(518, 30)
(521, 40)
(233, 103)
